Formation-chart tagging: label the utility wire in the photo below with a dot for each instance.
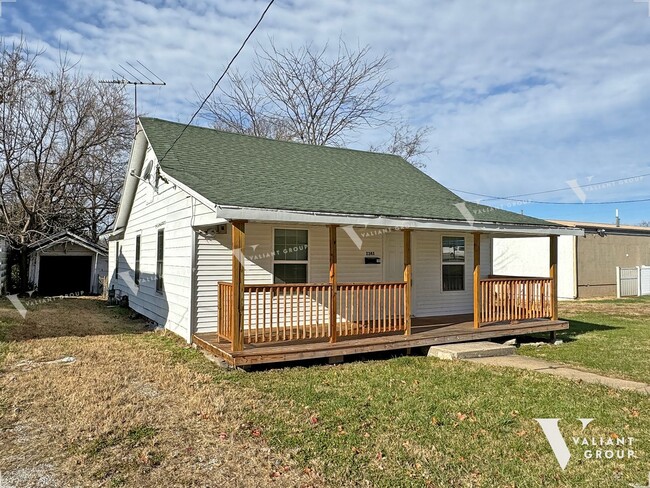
(205, 100)
(515, 199)
(563, 188)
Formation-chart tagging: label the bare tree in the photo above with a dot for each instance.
(63, 143)
(407, 142)
(645, 223)
(305, 95)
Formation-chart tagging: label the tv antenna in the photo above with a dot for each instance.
(136, 77)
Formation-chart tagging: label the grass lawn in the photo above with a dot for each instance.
(140, 408)
(608, 336)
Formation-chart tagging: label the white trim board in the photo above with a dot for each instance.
(290, 216)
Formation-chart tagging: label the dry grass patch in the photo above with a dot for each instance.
(632, 307)
(122, 414)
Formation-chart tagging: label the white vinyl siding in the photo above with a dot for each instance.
(428, 297)
(530, 256)
(213, 264)
(172, 209)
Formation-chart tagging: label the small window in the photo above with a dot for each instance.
(159, 260)
(453, 263)
(137, 260)
(117, 260)
(290, 256)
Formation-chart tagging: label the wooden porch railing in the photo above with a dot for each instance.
(370, 308)
(224, 318)
(286, 312)
(511, 299)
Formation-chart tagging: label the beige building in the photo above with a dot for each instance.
(586, 265)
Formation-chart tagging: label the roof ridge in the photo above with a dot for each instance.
(304, 144)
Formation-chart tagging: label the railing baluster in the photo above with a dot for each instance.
(285, 312)
(514, 299)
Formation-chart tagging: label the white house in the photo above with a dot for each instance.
(232, 241)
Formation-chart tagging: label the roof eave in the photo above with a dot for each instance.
(322, 218)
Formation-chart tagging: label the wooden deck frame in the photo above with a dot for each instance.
(425, 332)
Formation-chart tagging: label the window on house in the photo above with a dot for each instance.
(159, 260)
(117, 260)
(290, 256)
(453, 263)
(137, 260)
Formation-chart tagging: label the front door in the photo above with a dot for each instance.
(393, 256)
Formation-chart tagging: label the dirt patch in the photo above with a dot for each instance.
(124, 414)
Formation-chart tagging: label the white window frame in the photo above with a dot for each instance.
(291, 261)
(137, 262)
(455, 263)
(160, 278)
(118, 250)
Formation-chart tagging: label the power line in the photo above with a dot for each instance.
(565, 188)
(241, 48)
(515, 199)
(523, 201)
(616, 202)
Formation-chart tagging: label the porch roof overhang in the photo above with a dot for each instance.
(231, 213)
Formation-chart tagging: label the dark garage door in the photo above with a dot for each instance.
(60, 275)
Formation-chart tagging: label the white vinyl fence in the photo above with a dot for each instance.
(644, 280)
(633, 282)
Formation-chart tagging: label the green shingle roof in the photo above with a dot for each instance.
(247, 171)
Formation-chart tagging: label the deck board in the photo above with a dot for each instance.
(426, 331)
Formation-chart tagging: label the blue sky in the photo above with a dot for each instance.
(522, 96)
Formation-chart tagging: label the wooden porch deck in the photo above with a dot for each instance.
(427, 331)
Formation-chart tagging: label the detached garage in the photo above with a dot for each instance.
(67, 264)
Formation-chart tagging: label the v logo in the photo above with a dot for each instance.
(554, 436)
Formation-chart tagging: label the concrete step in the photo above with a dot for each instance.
(468, 350)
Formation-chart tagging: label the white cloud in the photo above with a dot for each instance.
(523, 95)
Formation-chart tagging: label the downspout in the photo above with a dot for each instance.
(193, 271)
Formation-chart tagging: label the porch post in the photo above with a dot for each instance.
(238, 247)
(553, 276)
(408, 278)
(333, 289)
(477, 280)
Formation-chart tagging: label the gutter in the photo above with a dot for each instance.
(272, 215)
